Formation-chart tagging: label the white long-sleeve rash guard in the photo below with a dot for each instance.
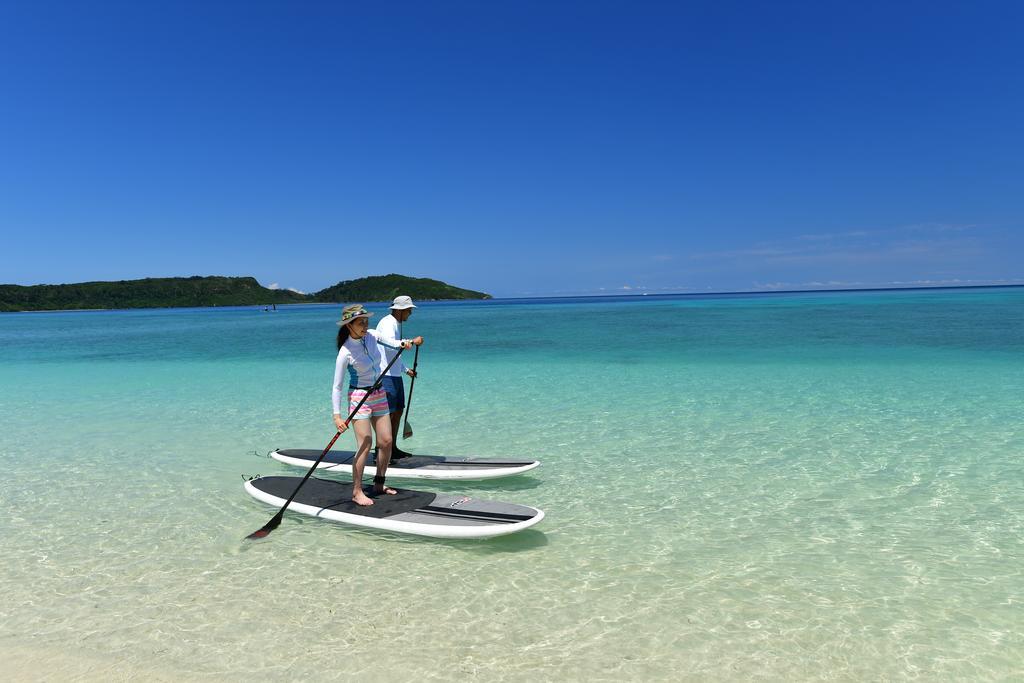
(364, 361)
(392, 329)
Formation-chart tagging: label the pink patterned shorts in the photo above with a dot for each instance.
(375, 406)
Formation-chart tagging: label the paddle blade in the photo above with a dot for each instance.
(407, 432)
(267, 528)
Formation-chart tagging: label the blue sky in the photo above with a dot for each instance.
(517, 148)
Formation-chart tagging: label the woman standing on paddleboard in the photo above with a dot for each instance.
(357, 369)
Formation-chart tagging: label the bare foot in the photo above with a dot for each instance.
(388, 491)
(361, 498)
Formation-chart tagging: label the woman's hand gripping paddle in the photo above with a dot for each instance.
(407, 430)
(275, 521)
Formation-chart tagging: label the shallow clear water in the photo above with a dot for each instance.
(812, 486)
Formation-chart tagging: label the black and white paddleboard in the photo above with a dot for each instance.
(408, 512)
(411, 467)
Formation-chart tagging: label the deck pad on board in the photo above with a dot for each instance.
(333, 495)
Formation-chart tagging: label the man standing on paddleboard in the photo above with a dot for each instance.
(390, 326)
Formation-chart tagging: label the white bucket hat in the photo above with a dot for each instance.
(401, 303)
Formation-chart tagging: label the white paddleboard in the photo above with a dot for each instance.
(411, 467)
(408, 512)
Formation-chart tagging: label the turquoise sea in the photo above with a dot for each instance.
(813, 486)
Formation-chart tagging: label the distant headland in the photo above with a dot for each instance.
(181, 292)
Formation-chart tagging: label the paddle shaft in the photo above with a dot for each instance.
(406, 430)
(275, 521)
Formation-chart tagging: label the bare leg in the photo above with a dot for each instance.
(363, 440)
(382, 425)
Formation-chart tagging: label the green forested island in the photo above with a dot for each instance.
(177, 292)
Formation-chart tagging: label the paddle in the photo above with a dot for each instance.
(407, 430)
(275, 521)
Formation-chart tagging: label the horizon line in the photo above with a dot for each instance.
(755, 291)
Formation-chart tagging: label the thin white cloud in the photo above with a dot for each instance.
(829, 236)
(753, 252)
(932, 228)
(940, 227)
(277, 285)
(927, 242)
(919, 250)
